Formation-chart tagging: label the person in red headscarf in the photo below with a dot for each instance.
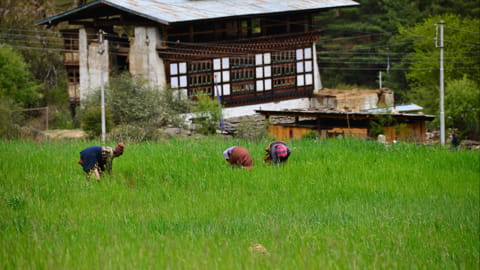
(238, 157)
(98, 159)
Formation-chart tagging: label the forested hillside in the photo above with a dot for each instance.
(395, 37)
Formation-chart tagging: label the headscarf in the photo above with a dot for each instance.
(119, 149)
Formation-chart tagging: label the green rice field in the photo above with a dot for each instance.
(176, 204)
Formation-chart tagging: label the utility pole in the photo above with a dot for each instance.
(442, 111)
(101, 50)
(379, 79)
(222, 123)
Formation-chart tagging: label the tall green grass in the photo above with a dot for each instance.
(340, 204)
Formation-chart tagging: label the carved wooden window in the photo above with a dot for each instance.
(242, 74)
(263, 72)
(178, 78)
(304, 66)
(178, 75)
(221, 74)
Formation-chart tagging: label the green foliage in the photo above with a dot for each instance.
(207, 114)
(178, 205)
(462, 107)
(172, 107)
(15, 78)
(377, 126)
(91, 121)
(9, 118)
(312, 135)
(131, 100)
(40, 47)
(127, 133)
(60, 117)
(135, 107)
(357, 41)
(423, 74)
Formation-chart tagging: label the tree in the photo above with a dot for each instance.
(41, 48)
(15, 79)
(462, 107)
(461, 56)
(357, 42)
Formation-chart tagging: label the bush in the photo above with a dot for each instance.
(136, 108)
(127, 133)
(15, 79)
(92, 121)
(207, 115)
(10, 118)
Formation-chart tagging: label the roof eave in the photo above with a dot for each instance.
(53, 19)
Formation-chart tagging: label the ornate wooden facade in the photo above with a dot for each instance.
(246, 52)
(247, 71)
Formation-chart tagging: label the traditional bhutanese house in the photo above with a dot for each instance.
(250, 53)
(331, 123)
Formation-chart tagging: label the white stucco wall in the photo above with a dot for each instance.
(94, 67)
(143, 57)
(301, 103)
(316, 70)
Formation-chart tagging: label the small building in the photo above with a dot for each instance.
(354, 100)
(331, 123)
(251, 54)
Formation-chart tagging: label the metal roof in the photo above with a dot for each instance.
(337, 114)
(171, 11)
(400, 108)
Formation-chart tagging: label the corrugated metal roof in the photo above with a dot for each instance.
(337, 114)
(170, 11)
(400, 108)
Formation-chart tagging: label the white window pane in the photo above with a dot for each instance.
(174, 82)
(226, 76)
(216, 64)
(308, 79)
(308, 53)
(308, 66)
(226, 89)
(174, 69)
(218, 76)
(300, 80)
(225, 63)
(299, 54)
(217, 90)
(259, 59)
(260, 85)
(268, 84)
(183, 81)
(182, 68)
(266, 58)
(259, 72)
(268, 71)
(299, 67)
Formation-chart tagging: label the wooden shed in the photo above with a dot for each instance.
(328, 123)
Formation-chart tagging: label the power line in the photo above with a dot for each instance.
(462, 30)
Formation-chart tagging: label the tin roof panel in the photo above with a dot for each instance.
(170, 11)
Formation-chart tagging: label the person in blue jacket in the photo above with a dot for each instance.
(98, 159)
